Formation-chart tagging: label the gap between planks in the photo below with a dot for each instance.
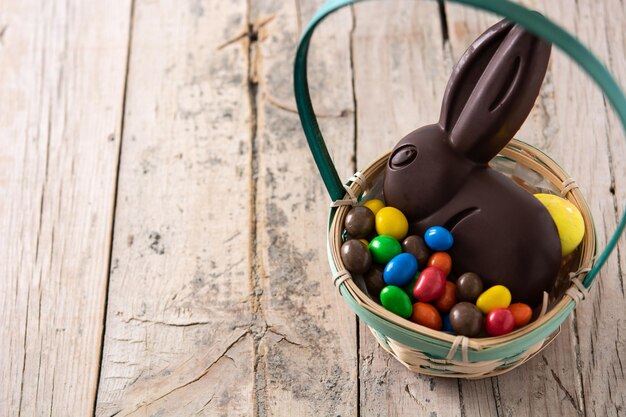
(114, 208)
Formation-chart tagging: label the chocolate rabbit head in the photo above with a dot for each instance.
(439, 174)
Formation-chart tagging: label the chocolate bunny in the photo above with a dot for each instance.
(439, 174)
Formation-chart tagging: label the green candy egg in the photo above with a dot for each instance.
(408, 288)
(384, 248)
(395, 300)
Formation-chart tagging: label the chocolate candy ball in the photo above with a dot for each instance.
(355, 256)
(466, 319)
(468, 287)
(360, 222)
(415, 246)
(374, 280)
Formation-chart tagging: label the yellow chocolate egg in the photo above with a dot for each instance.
(374, 205)
(569, 222)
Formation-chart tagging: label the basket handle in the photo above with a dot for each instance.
(532, 21)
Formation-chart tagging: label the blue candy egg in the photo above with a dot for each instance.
(446, 325)
(400, 270)
(438, 239)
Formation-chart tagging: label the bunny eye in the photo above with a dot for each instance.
(403, 156)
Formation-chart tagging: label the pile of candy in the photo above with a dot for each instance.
(410, 276)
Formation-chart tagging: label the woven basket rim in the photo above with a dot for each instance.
(516, 150)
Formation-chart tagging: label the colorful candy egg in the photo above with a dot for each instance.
(391, 222)
(396, 301)
(499, 321)
(359, 222)
(447, 299)
(522, 313)
(442, 261)
(415, 245)
(400, 270)
(426, 315)
(374, 205)
(408, 288)
(430, 285)
(384, 248)
(497, 296)
(568, 220)
(355, 256)
(466, 319)
(438, 239)
(446, 326)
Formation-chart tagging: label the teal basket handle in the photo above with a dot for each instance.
(538, 24)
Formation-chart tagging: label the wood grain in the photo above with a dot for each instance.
(62, 71)
(179, 335)
(306, 352)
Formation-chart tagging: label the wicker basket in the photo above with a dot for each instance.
(421, 349)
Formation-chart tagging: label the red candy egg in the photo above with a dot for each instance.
(430, 285)
(442, 261)
(499, 321)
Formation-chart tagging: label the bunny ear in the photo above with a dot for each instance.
(492, 89)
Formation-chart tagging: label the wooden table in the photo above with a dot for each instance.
(163, 224)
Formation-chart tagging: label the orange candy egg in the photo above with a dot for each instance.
(448, 299)
(426, 315)
(521, 313)
(442, 261)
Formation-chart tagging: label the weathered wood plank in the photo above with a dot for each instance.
(400, 73)
(600, 319)
(60, 131)
(178, 335)
(306, 355)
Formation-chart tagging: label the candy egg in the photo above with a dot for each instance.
(447, 299)
(359, 222)
(442, 261)
(391, 222)
(374, 281)
(415, 245)
(499, 321)
(568, 220)
(400, 270)
(384, 248)
(355, 256)
(396, 301)
(466, 319)
(438, 238)
(522, 313)
(426, 315)
(468, 287)
(446, 326)
(430, 285)
(408, 288)
(497, 296)
(374, 205)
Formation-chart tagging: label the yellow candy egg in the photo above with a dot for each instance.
(374, 205)
(391, 222)
(495, 297)
(569, 222)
